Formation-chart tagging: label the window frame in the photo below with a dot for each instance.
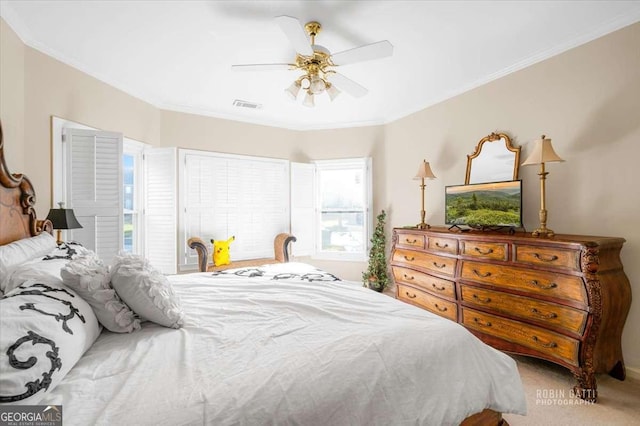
(187, 258)
(365, 164)
(136, 150)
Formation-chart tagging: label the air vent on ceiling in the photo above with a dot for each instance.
(246, 104)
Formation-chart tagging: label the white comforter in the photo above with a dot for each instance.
(289, 352)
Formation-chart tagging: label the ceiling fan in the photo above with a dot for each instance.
(317, 62)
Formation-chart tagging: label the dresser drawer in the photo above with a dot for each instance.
(484, 250)
(433, 262)
(547, 256)
(429, 302)
(553, 344)
(563, 317)
(432, 284)
(407, 239)
(445, 245)
(534, 282)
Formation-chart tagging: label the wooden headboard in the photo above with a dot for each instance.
(17, 198)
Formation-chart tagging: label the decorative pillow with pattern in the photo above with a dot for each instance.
(89, 277)
(46, 328)
(146, 291)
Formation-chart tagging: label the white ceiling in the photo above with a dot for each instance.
(178, 55)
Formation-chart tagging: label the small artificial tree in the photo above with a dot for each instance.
(375, 277)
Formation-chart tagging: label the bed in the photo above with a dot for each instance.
(275, 344)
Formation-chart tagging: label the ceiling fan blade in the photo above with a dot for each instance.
(347, 85)
(296, 34)
(367, 52)
(262, 67)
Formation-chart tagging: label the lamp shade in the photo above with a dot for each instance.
(63, 218)
(542, 153)
(333, 92)
(292, 91)
(424, 171)
(308, 100)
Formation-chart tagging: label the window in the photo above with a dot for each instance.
(343, 214)
(224, 195)
(132, 191)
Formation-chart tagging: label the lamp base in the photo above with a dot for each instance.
(423, 225)
(543, 232)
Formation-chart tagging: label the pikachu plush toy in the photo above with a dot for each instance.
(221, 254)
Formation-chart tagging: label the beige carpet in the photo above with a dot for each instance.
(549, 400)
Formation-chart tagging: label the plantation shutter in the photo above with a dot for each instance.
(94, 189)
(160, 204)
(303, 208)
(232, 195)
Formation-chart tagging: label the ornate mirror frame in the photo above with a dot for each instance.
(498, 163)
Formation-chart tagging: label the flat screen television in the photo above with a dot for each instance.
(484, 205)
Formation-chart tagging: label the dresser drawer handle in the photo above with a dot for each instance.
(439, 308)
(408, 278)
(481, 324)
(547, 259)
(443, 265)
(544, 287)
(410, 296)
(478, 299)
(480, 274)
(409, 259)
(445, 245)
(542, 315)
(544, 345)
(479, 250)
(438, 288)
(408, 241)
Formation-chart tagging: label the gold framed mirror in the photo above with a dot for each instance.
(495, 159)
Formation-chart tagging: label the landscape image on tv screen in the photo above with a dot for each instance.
(484, 204)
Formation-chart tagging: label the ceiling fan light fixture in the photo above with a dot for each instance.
(316, 62)
(308, 100)
(293, 90)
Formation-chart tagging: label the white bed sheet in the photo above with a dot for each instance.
(285, 352)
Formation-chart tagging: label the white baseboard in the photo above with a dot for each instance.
(633, 373)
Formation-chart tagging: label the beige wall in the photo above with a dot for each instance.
(587, 100)
(12, 96)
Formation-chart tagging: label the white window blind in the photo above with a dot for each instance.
(93, 189)
(160, 208)
(303, 208)
(231, 195)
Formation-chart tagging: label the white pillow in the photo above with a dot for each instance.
(21, 251)
(89, 277)
(146, 291)
(45, 330)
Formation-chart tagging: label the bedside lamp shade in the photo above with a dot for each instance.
(62, 218)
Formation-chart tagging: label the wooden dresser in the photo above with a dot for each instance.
(564, 299)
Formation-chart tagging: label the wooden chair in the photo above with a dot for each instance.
(281, 245)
